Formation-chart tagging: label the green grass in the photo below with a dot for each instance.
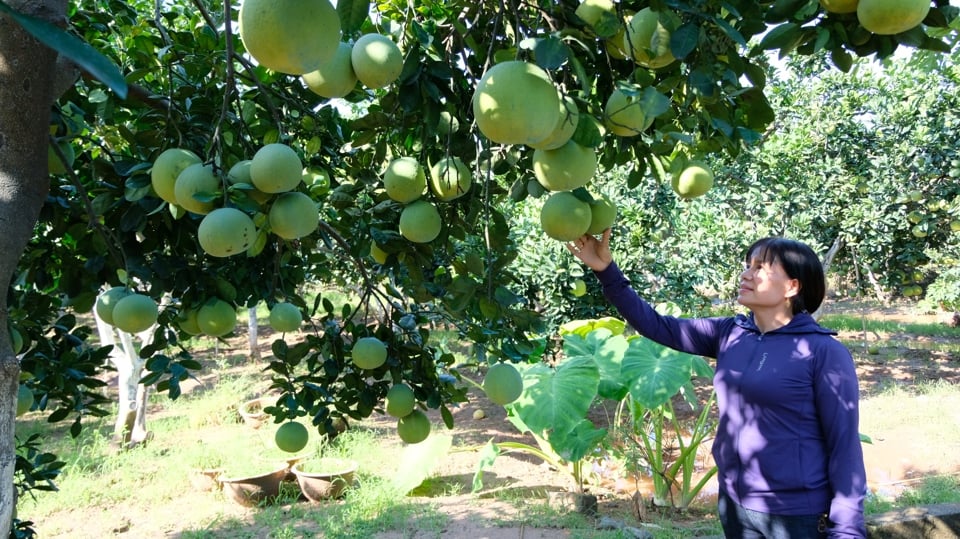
(851, 322)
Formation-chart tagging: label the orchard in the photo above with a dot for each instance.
(163, 166)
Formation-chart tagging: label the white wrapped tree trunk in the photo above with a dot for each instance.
(131, 426)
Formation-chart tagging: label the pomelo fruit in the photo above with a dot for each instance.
(54, 164)
(108, 299)
(516, 103)
(566, 125)
(226, 232)
(289, 36)
(889, 17)
(187, 321)
(565, 217)
(400, 400)
(503, 383)
(578, 288)
(404, 179)
(291, 437)
(369, 353)
(135, 313)
(24, 400)
(603, 213)
(693, 181)
(240, 173)
(839, 6)
(420, 222)
(376, 60)
(196, 179)
(448, 123)
(623, 114)
(450, 178)
(166, 168)
(285, 317)
(335, 78)
(414, 427)
(216, 318)
(378, 254)
(647, 41)
(568, 167)
(317, 181)
(293, 215)
(590, 11)
(276, 168)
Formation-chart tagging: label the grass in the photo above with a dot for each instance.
(852, 322)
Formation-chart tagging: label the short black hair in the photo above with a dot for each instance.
(799, 262)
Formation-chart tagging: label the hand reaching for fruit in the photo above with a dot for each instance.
(593, 252)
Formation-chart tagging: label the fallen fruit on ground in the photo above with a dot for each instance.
(292, 36)
(693, 181)
(369, 353)
(603, 213)
(450, 178)
(376, 60)
(216, 318)
(196, 188)
(135, 313)
(291, 436)
(226, 232)
(24, 400)
(414, 427)
(400, 400)
(335, 78)
(293, 215)
(166, 168)
(647, 41)
(479, 414)
(516, 103)
(566, 168)
(503, 383)
(420, 222)
(107, 300)
(888, 17)
(404, 180)
(285, 317)
(276, 168)
(565, 217)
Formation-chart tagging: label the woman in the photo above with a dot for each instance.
(787, 449)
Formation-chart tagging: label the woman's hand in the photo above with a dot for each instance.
(593, 252)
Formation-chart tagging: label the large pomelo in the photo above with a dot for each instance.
(516, 103)
(285, 317)
(590, 11)
(187, 321)
(166, 167)
(503, 383)
(376, 60)
(450, 178)
(566, 125)
(568, 167)
(891, 16)
(107, 300)
(369, 353)
(623, 114)
(420, 222)
(293, 215)
(291, 437)
(226, 232)
(378, 254)
(335, 78)
(693, 181)
(276, 168)
(197, 180)
(239, 173)
(216, 318)
(839, 6)
(603, 213)
(414, 427)
(289, 36)
(565, 217)
(400, 400)
(647, 41)
(135, 313)
(404, 179)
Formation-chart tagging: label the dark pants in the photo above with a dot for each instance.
(741, 523)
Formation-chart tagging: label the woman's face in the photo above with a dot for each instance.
(765, 285)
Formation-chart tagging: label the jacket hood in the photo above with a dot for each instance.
(801, 323)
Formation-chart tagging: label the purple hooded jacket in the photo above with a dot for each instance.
(788, 440)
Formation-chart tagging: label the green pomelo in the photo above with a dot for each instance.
(400, 400)
(404, 179)
(839, 6)
(565, 217)
(197, 180)
(239, 173)
(107, 300)
(335, 78)
(414, 427)
(516, 103)
(566, 125)
(578, 288)
(614, 45)
(448, 123)
(503, 383)
(293, 215)
(216, 318)
(566, 168)
(378, 254)
(24, 400)
(55, 165)
(887, 17)
(166, 168)
(226, 232)
(376, 60)
(187, 321)
(285, 317)
(276, 168)
(291, 436)
(647, 41)
(317, 181)
(450, 178)
(603, 213)
(289, 36)
(623, 115)
(369, 353)
(420, 222)
(695, 180)
(135, 313)
(590, 11)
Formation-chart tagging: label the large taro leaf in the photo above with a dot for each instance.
(654, 372)
(557, 399)
(607, 350)
(575, 444)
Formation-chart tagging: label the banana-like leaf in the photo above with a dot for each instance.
(655, 372)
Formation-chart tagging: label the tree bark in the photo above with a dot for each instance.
(27, 81)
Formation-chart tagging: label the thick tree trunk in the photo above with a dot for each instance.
(27, 80)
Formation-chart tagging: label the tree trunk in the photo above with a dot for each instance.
(253, 327)
(27, 81)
